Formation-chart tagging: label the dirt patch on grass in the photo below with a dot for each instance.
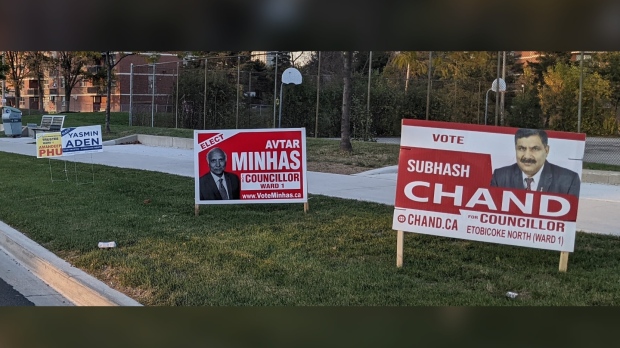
(109, 276)
(335, 168)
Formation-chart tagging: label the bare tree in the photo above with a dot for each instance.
(37, 63)
(111, 60)
(345, 132)
(17, 72)
(73, 67)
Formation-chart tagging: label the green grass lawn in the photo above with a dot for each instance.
(340, 253)
(599, 166)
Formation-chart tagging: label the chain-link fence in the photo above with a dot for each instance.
(217, 93)
(190, 95)
(598, 150)
(602, 150)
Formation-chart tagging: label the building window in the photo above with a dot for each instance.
(62, 82)
(97, 99)
(83, 82)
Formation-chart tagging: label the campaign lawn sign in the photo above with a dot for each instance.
(269, 163)
(444, 188)
(49, 145)
(80, 140)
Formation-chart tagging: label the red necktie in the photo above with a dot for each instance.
(528, 182)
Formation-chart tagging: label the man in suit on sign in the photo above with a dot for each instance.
(218, 184)
(532, 170)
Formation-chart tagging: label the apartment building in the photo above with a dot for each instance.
(151, 82)
(298, 58)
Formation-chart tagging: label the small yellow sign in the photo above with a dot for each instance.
(49, 145)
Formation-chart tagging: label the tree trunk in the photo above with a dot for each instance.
(345, 134)
(41, 95)
(108, 63)
(67, 97)
(18, 95)
(407, 79)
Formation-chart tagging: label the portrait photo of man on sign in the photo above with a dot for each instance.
(217, 183)
(532, 171)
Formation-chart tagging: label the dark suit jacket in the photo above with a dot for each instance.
(553, 179)
(209, 190)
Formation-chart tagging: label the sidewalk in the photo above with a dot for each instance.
(598, 203)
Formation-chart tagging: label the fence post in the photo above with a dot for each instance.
(318, 84)
(204, 108)
(153, 99)
(130, 94)
(176, 111)
(238, 65)
(275, 89)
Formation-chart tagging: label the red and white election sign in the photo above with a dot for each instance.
(492, 184)
(250, 166)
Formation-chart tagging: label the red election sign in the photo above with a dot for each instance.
(250, 166)
(471, 182)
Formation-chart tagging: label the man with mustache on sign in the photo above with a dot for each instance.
(532, 170)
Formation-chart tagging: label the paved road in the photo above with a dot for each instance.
(19, 287)
(10, 297)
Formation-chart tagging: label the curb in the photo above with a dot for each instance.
(154, 140)
(76, 285)
(600, 177)
(123, 140)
